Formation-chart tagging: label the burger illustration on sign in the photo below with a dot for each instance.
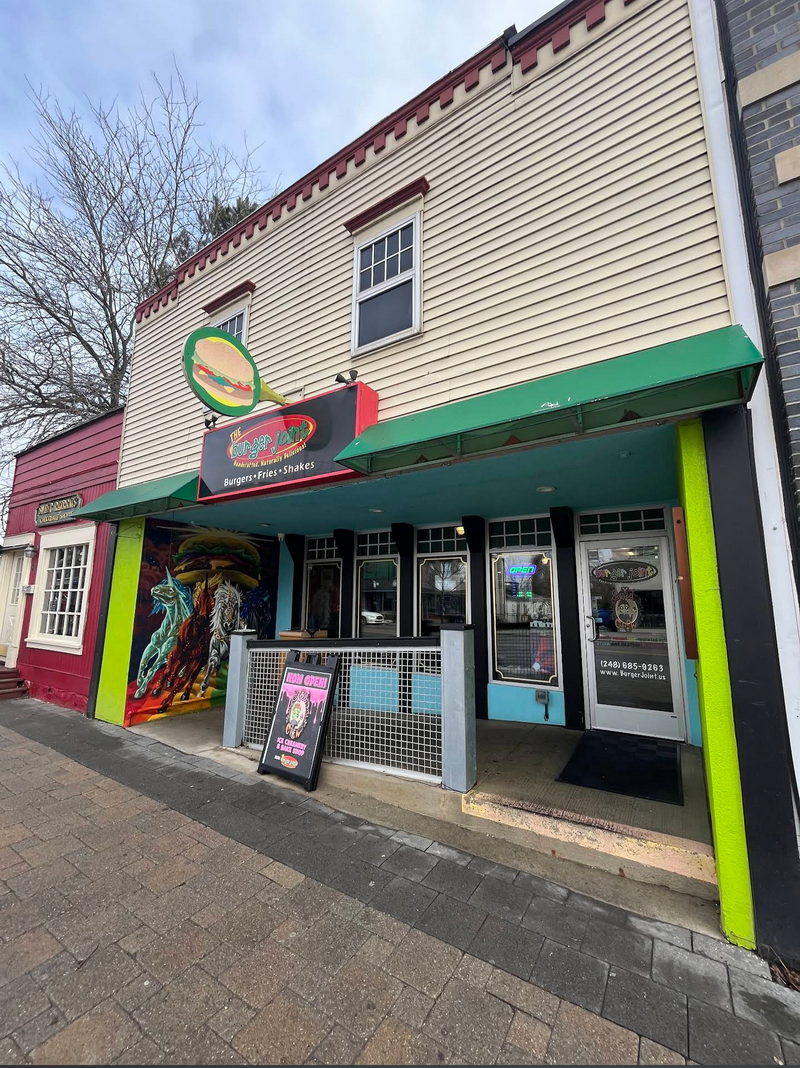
(223, 374)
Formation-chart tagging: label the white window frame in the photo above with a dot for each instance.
(83, 534)
(232, 310)
(415, 274)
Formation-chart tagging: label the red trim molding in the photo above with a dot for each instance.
(416, 188)
(229, 297)
(352, 155)
(555, 31)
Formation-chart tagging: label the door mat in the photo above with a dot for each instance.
(627, 764)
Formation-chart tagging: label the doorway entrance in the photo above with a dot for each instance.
(11, 622)
(632, 671)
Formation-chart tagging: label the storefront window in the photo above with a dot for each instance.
(323, 592)
(523, 617)
(442, 592)
(377, 598)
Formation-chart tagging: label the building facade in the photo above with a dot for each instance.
(53, 565)
(519, 389)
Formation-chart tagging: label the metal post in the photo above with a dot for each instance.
(459, 758)
(236, 693)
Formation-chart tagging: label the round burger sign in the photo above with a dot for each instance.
(223, 374)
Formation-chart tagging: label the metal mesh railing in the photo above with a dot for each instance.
(387, 709)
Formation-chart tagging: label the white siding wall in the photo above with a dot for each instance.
(569, 221)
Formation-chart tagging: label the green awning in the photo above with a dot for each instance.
(706, 371)
(161, 495)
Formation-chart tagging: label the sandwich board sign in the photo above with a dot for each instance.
(296, 738)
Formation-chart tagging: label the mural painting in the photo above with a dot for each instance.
(196, 586)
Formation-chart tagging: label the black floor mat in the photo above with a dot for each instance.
(627, 764)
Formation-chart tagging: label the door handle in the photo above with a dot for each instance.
(593, 621)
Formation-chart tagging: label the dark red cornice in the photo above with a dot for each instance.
(556, 32)
(467, 75)
(229, 297)
(414, 189)
(524, 51)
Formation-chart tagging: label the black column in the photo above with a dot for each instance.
(403, 534)
(765, 761)
(346, 547)
(475, 533)
(296, 544)
(569, 617)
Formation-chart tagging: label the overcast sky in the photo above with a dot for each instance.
(300, 79)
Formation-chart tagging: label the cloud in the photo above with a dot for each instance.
(297, 80)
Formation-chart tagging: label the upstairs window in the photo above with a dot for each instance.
(235, 325)
(386, 286)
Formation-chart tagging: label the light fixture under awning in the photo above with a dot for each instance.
(145, 498)
(710, 370)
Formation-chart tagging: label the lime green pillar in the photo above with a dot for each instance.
(716, 707)
(113, 685)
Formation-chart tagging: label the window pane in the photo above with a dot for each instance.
(365, 280)
(524, 634)
(385, 314)
(391, 267)
(407, 236)
(62, 603)
(393, 243)
(377, 599)
(380, 250)
(406, 260)
(323, 583)
(442, 593)
(366, 257)
(378, 272)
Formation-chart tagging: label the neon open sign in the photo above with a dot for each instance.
(519, 570)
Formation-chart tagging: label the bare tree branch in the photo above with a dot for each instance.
(121, 197)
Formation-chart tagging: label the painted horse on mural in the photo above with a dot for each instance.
(190, 652)
(175, 601)
(225, 618)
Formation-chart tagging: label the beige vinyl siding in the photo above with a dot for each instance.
(569, 221)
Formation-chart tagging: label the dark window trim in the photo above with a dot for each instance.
(229, 297)
(418, 187)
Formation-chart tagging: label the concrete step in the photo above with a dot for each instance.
(647, 888)
(631, 852)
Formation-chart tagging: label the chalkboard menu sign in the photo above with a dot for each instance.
(293, 748)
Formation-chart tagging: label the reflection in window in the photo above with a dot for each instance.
(323, 588)
(442, 592)
(523, 617)
(377, 599)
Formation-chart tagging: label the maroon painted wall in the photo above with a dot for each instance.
(85, 461)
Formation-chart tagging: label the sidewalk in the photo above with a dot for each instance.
(160, 908)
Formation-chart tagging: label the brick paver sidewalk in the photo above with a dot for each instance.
(157, 908)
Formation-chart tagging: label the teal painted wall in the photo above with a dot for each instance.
(283, 615)
(693, 724)
(519, 705)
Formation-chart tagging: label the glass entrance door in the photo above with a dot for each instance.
(630, 639)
